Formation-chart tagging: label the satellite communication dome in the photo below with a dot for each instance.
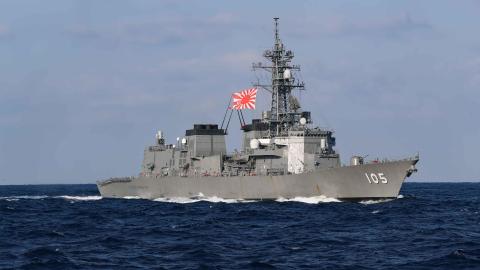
(184, 141)
(287, 74)
(303, 121)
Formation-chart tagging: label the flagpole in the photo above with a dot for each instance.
(226, 111)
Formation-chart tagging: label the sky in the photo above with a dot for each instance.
(84, 85)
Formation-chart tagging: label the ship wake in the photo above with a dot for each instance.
(201, 198)
(380, 200)
(310, 200)
(42, 197)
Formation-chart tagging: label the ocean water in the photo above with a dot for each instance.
(430, 226)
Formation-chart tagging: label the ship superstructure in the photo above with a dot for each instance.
(283, 154)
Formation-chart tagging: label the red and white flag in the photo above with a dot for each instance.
(244, 99)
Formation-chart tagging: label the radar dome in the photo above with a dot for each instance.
(303, 121)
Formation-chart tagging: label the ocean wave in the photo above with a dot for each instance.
(375, 201)
(199, 198)
(213, 199)
(80, 198)
(176, 200)
(41, 197)
(69, 234)
(24, 197)
(9, 199)
(309, 200)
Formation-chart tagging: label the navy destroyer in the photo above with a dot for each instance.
(284, 155)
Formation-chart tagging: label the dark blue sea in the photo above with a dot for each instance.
(430, 226)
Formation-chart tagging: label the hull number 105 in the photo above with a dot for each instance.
(375, 178)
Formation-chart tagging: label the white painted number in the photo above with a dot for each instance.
(366, 175)
(383, 178)
(376, 178)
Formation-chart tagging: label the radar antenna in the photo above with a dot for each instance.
(283, 116)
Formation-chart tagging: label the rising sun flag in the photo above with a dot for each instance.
(244, 99)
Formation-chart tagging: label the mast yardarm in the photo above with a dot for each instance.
(284, 106)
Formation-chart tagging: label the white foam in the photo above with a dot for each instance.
(216, 199)
(309, 200)
(177, 200)
(375, 201)
(23, 197)
(41, 197)
(376, 212)
(80, 198)
(132, 197)
(201, 198)
(400, 196)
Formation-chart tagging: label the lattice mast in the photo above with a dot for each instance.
(284, 106)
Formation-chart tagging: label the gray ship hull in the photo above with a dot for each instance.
(374, 180)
